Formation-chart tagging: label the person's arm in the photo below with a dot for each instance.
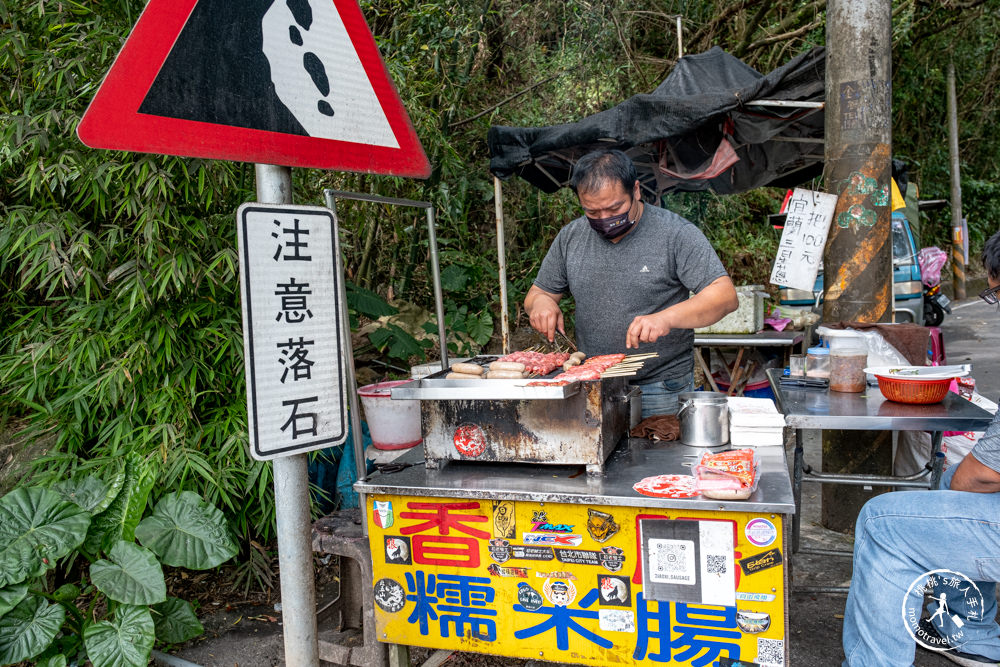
(972, 475)
(703, 309)
(544, 312)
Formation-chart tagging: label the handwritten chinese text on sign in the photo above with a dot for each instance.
(803, 239)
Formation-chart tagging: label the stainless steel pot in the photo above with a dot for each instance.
(704, 418)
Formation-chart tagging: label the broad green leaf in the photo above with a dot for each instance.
(454, 278)
(57, 660)
(37, 527)
(119, 520)
(28, 629)
(11, 596)
(125, 641)
(367, 302)
(132, 576)
(67, 593)
(175, 621)
(89, 492)
(185, 531)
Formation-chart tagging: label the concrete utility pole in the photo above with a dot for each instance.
(858, 258)
(958, 239)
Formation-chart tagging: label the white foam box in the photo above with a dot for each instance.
(756, 437)
(754, 413)
(748, 318)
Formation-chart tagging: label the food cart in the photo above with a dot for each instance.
(524, 537)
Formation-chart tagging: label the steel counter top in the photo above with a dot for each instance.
(634, 459)
(760, 339)
(870, 410)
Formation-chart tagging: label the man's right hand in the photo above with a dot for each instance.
(544, 312)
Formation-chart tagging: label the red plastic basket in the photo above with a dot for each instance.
(912, 390)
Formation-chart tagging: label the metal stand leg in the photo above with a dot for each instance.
(937, 458)
(399, 655)
(797, 489)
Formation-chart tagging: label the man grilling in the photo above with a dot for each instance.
(630, 267)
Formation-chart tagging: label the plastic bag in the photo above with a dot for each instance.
(880, 353)
(728, 475)
(931, 260)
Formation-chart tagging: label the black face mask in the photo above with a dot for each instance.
(614, 226)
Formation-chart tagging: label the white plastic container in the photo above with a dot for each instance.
(393, 424)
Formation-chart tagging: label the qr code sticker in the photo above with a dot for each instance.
(716, 564)
(672, 561)
(770, 652)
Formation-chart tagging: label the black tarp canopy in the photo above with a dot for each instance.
(714, 123)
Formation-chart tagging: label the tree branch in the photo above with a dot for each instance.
(504, 101)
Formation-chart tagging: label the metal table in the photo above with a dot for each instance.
(823, 409)
(546, 562)
(739, 370)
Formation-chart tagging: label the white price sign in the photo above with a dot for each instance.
(292, 333)
(800, 253)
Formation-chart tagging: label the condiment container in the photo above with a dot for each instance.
(847, 369)
(818, 362)
(797, 365)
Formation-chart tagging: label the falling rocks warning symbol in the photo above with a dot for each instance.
(292, 82)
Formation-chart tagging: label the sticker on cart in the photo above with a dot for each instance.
(504, 523)
(470, 440)
(554, 539)
(559, 592)
(760, 532)
(615, 591)
(382, 513)
(770, 652)
(755, 597)
(560, 574)
(730, 662)
(753, 622)
(601, 525)
(389, 595)
(499, 549)
(497, 571)
(397, 550)
(616, 620)
(612, 558)
(672, 562)
(532, 553)
(528, 597)
(667, 486)
(762, 561)
(578, 556)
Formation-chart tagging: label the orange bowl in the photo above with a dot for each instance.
(912, 390)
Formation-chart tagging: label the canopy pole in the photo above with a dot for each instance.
(502, 264)
(680, 39)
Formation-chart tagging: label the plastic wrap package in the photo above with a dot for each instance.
(728, 475)
(880, 353)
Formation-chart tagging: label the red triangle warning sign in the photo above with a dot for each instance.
(289, 82)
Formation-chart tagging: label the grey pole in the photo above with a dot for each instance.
(958, 242)
(360, 461)
(291, 500)
(857, 280)
(438, 296)
(502, 266)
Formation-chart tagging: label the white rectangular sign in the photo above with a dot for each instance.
(800, 252)
(292, 334)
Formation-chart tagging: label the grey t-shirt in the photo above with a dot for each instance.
(653, 267)
(987, 449)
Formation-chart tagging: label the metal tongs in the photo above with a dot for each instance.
(566, 338)
(808, 382)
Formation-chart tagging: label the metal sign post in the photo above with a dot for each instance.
(291, 498)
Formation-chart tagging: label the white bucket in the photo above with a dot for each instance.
(392, 424)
